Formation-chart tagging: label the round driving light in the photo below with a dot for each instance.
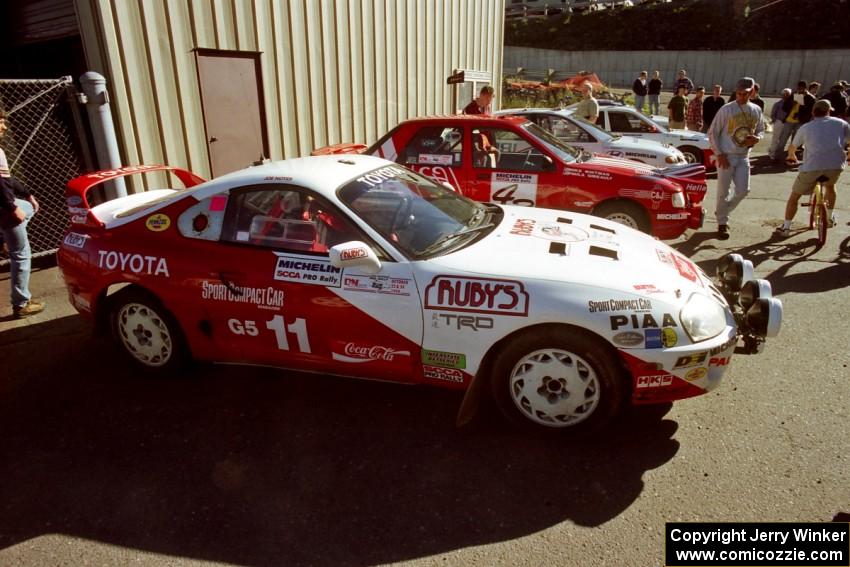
(753, 290)
(765, 317)
(730, 270)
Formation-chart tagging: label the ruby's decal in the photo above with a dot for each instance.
(440, 373)
(358, 353)
(523, 227)
(135, 263)
(477, 295)
(353, 254)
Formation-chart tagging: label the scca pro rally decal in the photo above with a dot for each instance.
(440, 373)
(307, 270)
(262, 297)
(477, 295)
(514, 189)
(135, 263)
(352, 352)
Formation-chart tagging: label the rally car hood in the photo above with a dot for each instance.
(640, 145)
(616, 165)
(560, 246)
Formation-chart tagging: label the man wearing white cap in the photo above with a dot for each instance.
(736, 128)
(824, 139)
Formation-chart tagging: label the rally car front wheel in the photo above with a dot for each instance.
(146, 331)
(559, 378)
(626, 213)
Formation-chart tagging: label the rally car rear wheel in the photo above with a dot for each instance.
(146, 331)
(626, 213)
(558, 379)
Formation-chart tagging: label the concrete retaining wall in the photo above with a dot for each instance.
(773, 70)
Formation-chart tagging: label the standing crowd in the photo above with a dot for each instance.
(800, 120)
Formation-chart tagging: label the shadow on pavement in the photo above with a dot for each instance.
(835, 275)
(259, 466)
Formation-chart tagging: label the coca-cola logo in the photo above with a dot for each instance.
(477, 295)
(353, 352)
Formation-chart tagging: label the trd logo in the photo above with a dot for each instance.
(459, 322)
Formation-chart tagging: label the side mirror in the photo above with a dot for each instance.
(448, 186)
(548, 164)
(355, 254)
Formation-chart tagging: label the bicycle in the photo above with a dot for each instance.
(818, 212)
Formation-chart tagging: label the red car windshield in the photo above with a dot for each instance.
(567, 154)
(419, 217)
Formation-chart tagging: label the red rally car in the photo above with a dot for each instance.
(512, 161)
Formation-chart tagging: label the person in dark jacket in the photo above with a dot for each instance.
(710, 106)
(806, 101)
(654, 92)
(17, 206)
(639, 87)
(836, 97)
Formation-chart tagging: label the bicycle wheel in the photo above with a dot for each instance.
(822, 222)
(812, 208)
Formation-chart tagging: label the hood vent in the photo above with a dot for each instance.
(604, 252)
(558, 248)
(563, 220)
(602, 228)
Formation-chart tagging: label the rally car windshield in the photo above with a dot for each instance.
(567, 154)
(419, 217)
(593, 130)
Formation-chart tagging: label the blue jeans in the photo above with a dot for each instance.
(639, 102)
(739, 173)
(20, 256)
(654, 103)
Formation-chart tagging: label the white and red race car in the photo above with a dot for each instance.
(353, 265)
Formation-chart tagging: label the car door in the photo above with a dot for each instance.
(437, 152)
(280, 301)
(521, 173)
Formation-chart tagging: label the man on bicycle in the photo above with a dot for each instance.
(824, 139)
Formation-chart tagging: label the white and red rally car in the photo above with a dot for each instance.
(353, 265)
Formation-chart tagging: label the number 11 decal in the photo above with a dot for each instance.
(297, 328)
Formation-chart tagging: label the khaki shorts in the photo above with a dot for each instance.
(806, 180)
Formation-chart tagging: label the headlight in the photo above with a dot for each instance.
(678, 200)
(671, 159)
(702, 318)
(734, 271)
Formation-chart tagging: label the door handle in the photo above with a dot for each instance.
(483, 177)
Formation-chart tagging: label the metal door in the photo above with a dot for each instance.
(232, 101)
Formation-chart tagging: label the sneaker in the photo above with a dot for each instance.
(782, 232)
(723, 231)
(31, 308)
(832, 221)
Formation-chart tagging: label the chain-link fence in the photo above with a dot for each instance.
(42, 148)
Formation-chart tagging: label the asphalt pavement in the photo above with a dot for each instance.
(102, 465)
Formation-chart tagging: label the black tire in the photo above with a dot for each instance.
(147, 332)
(626, 213)
(822, 224)
(559, 379)
(692, 154)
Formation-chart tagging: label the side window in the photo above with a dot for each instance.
(285, 218)
(435, 145)
(567, 131)
(620, 122)
(514, 153)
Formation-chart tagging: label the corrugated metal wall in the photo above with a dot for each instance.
(332, 70)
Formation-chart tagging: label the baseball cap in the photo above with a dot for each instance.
(745, 84)
(823, 104)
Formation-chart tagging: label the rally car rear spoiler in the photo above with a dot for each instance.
(691, 177)
(344, 148)
(76, 192)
